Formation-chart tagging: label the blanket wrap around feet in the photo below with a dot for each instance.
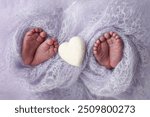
(55, 79)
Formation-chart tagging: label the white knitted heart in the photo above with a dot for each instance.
(73, 51)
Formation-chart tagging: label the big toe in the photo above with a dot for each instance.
(38, 30)
(41, 37)
(43, 34)
(110, 41)
(104, 41)
(116, 39)
(107, 35)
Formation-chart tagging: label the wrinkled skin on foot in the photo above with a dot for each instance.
(36, 49)
(45, 51)
(108, 50)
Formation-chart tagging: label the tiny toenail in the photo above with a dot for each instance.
(95, 44)
(107, 35)
(102, 39)
(111, 33)
(36, 29)
(114, 34)
(29, 33)
(33, 30)
(43, 34)
(53, 38)
(98, 41)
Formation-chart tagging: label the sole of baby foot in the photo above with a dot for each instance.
(115, 47)
(46, 50)
(32, 40)
(101, 52)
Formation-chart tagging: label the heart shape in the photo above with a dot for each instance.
(73, 51)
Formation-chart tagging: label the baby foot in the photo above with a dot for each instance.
(115, 47)
(101, 52)
(45, 51)
(31, 42)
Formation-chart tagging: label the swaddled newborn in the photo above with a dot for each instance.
(36, 49)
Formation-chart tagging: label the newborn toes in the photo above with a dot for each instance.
(102, 39)
(43, 34)
(107, 35)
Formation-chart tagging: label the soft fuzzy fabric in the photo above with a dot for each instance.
(55, 79)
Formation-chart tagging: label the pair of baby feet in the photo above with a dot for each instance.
(108, 49)
(36, 48)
